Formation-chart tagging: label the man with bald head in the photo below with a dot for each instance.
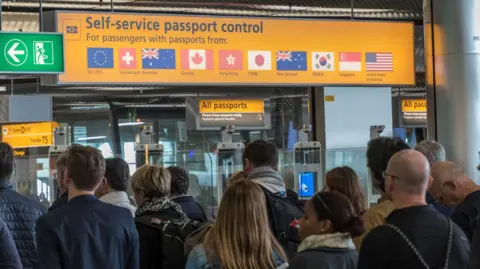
(452, 187)
(413, 227)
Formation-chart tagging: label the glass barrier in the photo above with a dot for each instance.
(31, 176)
(33, 173)
(201, 167)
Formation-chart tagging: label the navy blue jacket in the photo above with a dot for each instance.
(20, 214)
(9, 258)
(87, 233)
(193, 209)
(444, 210)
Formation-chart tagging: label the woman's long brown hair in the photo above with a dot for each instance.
(345, 180)
(241, 237)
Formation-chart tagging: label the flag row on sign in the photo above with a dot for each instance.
(233, 60)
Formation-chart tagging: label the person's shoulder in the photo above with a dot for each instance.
(377, 214)
(22, 200)
(381, 233)
(120, 213)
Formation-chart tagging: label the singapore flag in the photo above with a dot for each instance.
(259, 60)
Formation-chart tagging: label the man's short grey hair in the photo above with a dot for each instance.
(433, 150)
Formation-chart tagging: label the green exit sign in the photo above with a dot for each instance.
(31, 53)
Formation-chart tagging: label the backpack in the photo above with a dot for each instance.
(283, 217)
(415, 250)
(173, 235)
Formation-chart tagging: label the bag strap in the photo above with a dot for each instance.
(415, 250)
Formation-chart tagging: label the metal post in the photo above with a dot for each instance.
(352, 7)
(11, 86)
(1, 9)
(40, 15)
(111, 5)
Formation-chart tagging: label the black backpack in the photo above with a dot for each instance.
(173, 235)
(283, 216)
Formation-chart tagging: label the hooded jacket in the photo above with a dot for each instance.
(119, 198)
(269, 179)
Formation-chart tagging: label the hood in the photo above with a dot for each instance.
(269, 179)
(118, 198)
(335, 240)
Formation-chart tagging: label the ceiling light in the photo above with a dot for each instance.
(91, 138)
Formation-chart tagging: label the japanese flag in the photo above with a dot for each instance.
(259, 60)
(197, 59)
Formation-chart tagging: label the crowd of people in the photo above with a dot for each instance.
(426, 218)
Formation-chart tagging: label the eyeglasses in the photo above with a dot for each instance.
(385, 175)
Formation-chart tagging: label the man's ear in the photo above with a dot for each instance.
(452, 185)
(429, 182)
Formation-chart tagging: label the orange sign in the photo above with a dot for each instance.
(231, 106)
(414, 105)
(102, 48)
(29, 134)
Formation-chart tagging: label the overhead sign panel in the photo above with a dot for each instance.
(29, 135)
(414, 112)
(31, 53)
(104, 48)
(241, 113)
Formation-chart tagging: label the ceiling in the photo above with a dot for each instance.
(371, 9)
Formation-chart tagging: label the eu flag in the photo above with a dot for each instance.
(291, 60)
(158, 59)
(100, 57)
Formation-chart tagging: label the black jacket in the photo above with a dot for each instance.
(325, 258)
(61, 201)
(193, 209)
(20, 213)
(150, 240)
(87, 233)
(427, 229)
(8, 252)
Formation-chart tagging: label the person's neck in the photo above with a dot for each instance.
(410, 201)
(73, 192)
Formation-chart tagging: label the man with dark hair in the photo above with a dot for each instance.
(18, 211)
(61, 166)
(179, 188)
(113, 189)
(261, 167)
(86, 232)
(379, 152)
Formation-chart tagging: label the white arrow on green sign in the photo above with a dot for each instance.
(31, 53)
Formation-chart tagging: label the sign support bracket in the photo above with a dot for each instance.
(1, 18)
(40, 15)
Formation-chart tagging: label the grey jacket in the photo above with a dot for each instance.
(325, 258)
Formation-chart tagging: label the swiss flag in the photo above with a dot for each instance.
(259, 60)
(197, 59)
(128, 58)
(230, 60)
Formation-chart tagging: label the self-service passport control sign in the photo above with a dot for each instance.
(31, 53)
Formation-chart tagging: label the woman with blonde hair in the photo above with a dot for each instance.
(151, 189)
(241, 236)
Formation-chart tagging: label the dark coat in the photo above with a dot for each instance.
(444, 210)
(149, 237)
(9, 258)
(61, 201)
(87, 233)
(325, 258)
(193, 209)
(20, 214)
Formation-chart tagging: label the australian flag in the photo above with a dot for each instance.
(291, 60)
(158, 59)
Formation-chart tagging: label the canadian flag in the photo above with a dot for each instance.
(259, 60)
(197, 59)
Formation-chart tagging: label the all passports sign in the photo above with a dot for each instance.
(31, 53)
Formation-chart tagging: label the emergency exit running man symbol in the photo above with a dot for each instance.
(43, 52)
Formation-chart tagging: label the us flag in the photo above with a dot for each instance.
(379, 61)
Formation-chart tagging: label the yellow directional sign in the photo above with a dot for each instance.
(29, 135)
